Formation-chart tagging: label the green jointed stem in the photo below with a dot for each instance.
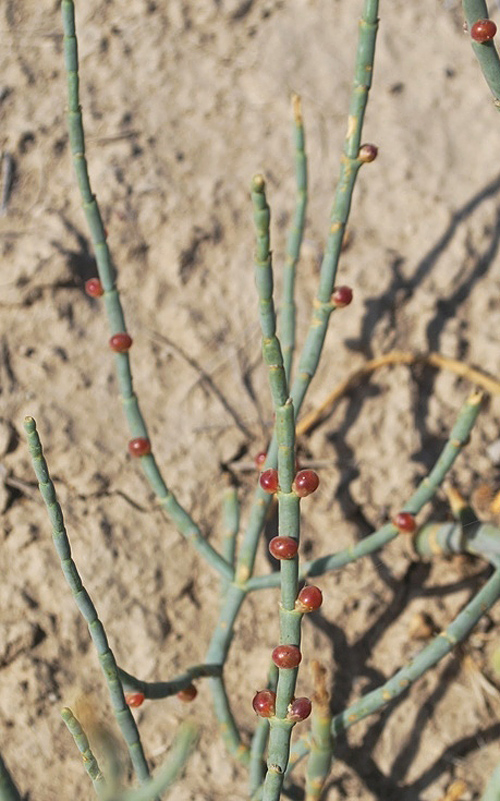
(257, 766)
(424, 492)
(288, 502)
(8, 789)
(170, 770)
(81, 741)
(231, 523)
(163, 689)
(339, 215)
(107, 661)
(288, 308)
(320, 756)
(216, 655)
(486, 52)
(114, 311)
(427, 658)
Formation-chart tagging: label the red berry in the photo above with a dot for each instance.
(309, 599)
(120, 343)
(405, 522)
(299, 709)
(264, 703)
(260, 459)
(342, 296)
(268, 481)
(367, 153)
(483, 30)
(187, 694)
(93, 287)
(134, 699)
(283, 547)
(286, 656)
(305, 483)
(140, 446)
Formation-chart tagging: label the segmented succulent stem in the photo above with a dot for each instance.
(315, 338)
(116, 319)
(257, 766)
(422, 495)
(163, 689)
(81, 741)
(288, 306)
(485, 52)
(84, 603)
(319, 761)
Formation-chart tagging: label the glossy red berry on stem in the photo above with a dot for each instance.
(309, 599)
(286, 656)
(187, 694)
(264, 703)
(140, 446)
(305, 483)
(405, 522)
(299, 709)
(342, 296)
(134, 699)
(367, 153)
(93, 288)
(283, 547)
(268, 481)
(483, 30)
(260, 459)
(120, 343)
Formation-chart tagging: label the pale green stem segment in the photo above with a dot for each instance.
(288, 307)
(81, 741)
(84, 603)
(486, 53)
(8, 789)
(230, 527)
(492, 791)
(114, 311)
(311, 352)
(422, 495)
(427, 658)
(319, 762)
(216, 655)
(163, 689)
(288, 502)
(257, 767)
(170, 771)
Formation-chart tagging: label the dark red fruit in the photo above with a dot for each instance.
(405, 522)
(264, 703)
(120, 343)
(342, 296)
(483, 30)
(299, 709)
(309, 599)
(134, 699)
(260, 459)
(140, 446)
(187, 694)
(93, 287)
(367, 153)
(283, 547)
(305, 483)
(286, 656)
(268, 481)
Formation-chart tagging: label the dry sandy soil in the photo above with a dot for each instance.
(183, 102)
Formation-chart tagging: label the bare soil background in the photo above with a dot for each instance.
(183, 102)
